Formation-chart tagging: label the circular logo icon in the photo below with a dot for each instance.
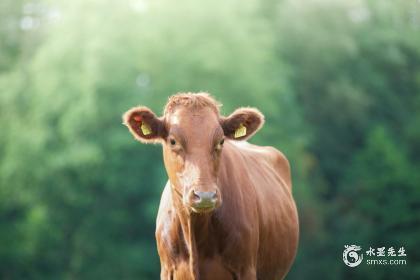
(351, 256)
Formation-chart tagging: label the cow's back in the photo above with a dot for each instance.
(266, 173)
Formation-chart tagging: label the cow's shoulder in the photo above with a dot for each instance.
(165, 205)
(168, 229)
(280, 162)
(273, 156)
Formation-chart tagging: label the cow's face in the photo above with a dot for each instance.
(192, 153)
(192, 139)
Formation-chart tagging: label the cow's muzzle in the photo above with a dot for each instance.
(202, 202)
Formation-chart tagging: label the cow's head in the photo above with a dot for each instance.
(192, 134)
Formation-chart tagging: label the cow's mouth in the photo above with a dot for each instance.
(203, 209)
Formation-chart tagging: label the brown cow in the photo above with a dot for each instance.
(227, 211)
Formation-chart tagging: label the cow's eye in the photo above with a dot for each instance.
(172, 141)
(219, 146)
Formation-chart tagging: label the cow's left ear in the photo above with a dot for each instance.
(145, 126)
(242, 124)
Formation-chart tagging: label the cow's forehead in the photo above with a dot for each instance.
(195, 125)
(184, 116)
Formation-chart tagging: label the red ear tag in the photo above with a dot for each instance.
(137, 118)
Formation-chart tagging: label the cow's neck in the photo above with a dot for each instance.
(196, 230)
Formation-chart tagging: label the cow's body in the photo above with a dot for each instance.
(253, 235)
(227, 211)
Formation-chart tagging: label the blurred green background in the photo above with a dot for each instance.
(338, 82)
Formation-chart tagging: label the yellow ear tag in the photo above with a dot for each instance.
(145, 128)
(240, 131)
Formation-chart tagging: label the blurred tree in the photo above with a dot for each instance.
(353, 69)
(381, 184)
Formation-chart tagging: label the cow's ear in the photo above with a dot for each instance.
(144, 125)
(242, 124)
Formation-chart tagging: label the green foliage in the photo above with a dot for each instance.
(338, 82)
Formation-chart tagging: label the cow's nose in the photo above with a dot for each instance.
(203, 200)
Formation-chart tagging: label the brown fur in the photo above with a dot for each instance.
(252, 231)
(192, 101)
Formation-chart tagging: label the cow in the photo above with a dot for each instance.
(227, 210)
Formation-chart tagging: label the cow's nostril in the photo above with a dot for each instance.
(196, 197)
(214, 196)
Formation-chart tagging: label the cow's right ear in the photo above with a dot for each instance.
(144, 125)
